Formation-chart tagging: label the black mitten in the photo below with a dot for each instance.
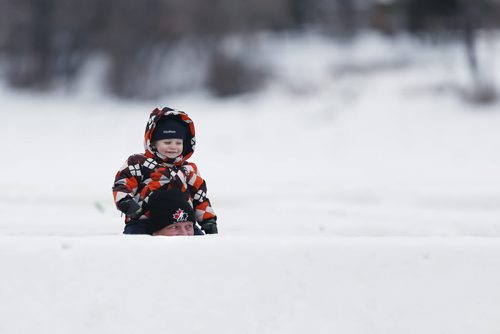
(130, 207)
(210, 227)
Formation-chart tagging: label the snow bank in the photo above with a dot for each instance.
(249, 285)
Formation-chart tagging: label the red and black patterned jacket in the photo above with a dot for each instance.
(144, 173)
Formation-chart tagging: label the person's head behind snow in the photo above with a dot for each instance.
(171, 214)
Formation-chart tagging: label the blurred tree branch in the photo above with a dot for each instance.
(46, 42)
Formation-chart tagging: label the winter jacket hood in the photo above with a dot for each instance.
(189, 143)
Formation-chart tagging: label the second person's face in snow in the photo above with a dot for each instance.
(170, 148)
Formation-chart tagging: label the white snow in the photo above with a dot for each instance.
(356, 193)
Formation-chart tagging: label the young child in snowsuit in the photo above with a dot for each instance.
(169, 141)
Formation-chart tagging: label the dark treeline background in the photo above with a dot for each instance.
(46, 42)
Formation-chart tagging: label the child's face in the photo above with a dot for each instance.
(170, 148)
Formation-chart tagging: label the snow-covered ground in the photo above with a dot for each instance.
(357, 193)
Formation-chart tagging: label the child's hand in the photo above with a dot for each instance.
(210, 227)
(130, 207)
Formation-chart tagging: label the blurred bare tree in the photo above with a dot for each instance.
(45, 43)
(462, 20)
